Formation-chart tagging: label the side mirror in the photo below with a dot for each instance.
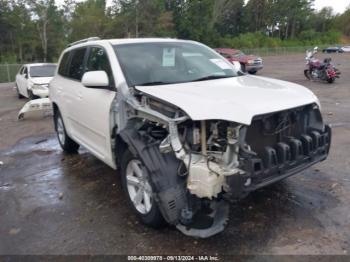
(95, 79)
(237, 66)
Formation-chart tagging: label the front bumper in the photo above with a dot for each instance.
(42, 93)
(253, 67)
(280, 162)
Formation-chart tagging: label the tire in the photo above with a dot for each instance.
(330, 80)
(307, 74)
(146, 209)
(252, 72)
(19, 95)
(67, 144)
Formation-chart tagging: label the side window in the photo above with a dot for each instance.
(225, 55)
(76, 68)
(62, 69)
(98, 60)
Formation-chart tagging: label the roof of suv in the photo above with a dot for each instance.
(125, 41)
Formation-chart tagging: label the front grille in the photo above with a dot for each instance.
(285, 140)
(257, 62)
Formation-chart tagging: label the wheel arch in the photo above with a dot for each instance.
(119, 145)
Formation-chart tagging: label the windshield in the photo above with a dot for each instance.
(238, 54)
(170, 62)
(42, 71)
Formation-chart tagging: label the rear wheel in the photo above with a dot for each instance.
(307, 74)
(68, 145)
(252, 72)
(139, 191)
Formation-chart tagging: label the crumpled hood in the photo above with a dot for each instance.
(41, 80)
(236, 99)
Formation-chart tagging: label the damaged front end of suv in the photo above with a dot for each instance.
(206, 134)
(196, 167)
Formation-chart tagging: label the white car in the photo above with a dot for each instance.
(32, 80)
(187, 131)
(346, 49)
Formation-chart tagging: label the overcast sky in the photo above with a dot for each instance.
(339, 6)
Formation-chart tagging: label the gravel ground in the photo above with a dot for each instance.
(52, 203)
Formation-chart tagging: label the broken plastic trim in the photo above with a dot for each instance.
(219, 216)
(36, 108)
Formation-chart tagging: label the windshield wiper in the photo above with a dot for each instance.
(153, 83)
(210, 77)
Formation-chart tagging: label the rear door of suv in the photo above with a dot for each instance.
(71, 71)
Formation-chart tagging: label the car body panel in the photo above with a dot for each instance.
(236, 99)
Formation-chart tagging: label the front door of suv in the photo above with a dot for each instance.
(93, 107)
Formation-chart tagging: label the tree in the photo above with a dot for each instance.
(89, 19)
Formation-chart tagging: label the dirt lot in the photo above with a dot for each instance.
(52, 203)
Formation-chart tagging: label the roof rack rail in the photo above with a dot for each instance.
(84, 41)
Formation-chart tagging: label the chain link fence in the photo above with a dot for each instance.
(8, 72)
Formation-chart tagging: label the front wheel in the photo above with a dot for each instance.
(67, 144)
(139, 191)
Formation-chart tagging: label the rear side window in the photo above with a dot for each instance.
(76, 68)
(62, 69)
(98, 60)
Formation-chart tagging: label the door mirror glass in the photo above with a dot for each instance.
(237, 66)
(95, 79)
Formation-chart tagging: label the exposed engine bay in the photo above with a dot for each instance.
(198, 167)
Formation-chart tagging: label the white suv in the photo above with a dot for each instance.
(188, 131)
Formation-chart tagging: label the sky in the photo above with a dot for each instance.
(339, 6)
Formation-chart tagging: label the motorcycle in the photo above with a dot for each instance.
(317, 70)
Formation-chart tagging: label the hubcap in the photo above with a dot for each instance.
(60, 130)
(139, 189)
